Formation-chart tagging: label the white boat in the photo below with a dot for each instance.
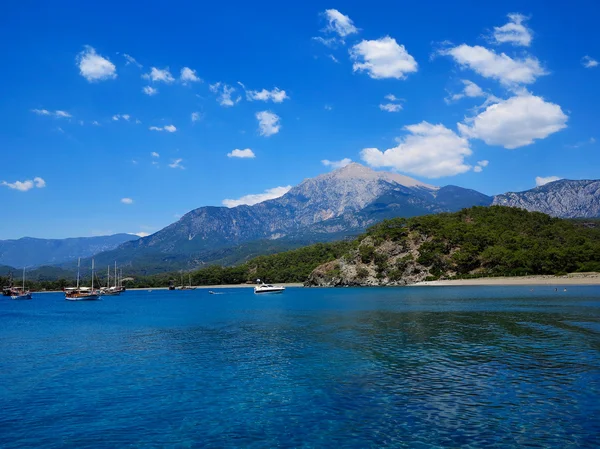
(82, 293)
(268, 288)
(20, 292)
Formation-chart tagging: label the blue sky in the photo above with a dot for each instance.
(488, 97)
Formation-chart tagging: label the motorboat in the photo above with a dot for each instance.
(268, 288)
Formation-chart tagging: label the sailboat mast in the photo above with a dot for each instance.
(78, 265)
(115, 274)
(23, 278)
(108, 278)
(92, 276)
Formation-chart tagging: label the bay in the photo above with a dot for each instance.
(425, 367)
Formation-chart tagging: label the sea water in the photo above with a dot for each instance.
(420, 367)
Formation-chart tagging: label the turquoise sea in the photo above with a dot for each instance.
(427, 367)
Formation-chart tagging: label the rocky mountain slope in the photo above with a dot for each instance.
(564, 198)
(32, 252)
(329, 206)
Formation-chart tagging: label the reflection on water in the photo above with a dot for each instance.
(477, 367)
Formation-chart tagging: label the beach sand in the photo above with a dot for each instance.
(569, 279)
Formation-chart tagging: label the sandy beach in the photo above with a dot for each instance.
(569, 279)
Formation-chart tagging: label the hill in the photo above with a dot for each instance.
(33, 252)
(477, 241)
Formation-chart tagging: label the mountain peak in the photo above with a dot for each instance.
(355, 170)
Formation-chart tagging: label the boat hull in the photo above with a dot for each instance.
(83, 298)
(21, 297)
(266, 292)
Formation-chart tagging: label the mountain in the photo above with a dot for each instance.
(563, 198)
(32, 252)
(330, 206)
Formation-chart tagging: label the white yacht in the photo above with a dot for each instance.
(268, 288)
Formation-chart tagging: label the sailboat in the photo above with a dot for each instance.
(108, 290)
(20, 292)
(189, 286)
(82, 293)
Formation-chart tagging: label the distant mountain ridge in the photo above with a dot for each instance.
(564, 198)
(34, 252)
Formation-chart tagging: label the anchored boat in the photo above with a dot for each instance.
(268, 288)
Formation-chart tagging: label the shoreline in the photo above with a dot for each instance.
(550, 280)
(569, 279)
(210, 287)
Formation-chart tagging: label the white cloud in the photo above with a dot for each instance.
(58, 114)
(500, 67)
(339, 23)
(155, 154)
(329, 42)
(390, 107)
(168, 128)
(514, 32)
(515, 122)
(574, 146)
(149, 90)
(383, 58)
(138, 121)
(540, 181)
(188, 76)
(196, 116)
(246, 154)
(24, 186)
(126, 117)
(94, 67)
(177, 164)
(116, 117)
(95, 123)
(41, 112)
(224, 94)
(336, 164)
(126, 201)
(328, 107)
(429, 150)
(268, 123)
(159, 75)
(470, 90)
(141, 234)
(131, 60)
(391, 97)
(276, 95)
(479, 167)
(588, 62)
(251, 199)
(333, 58)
